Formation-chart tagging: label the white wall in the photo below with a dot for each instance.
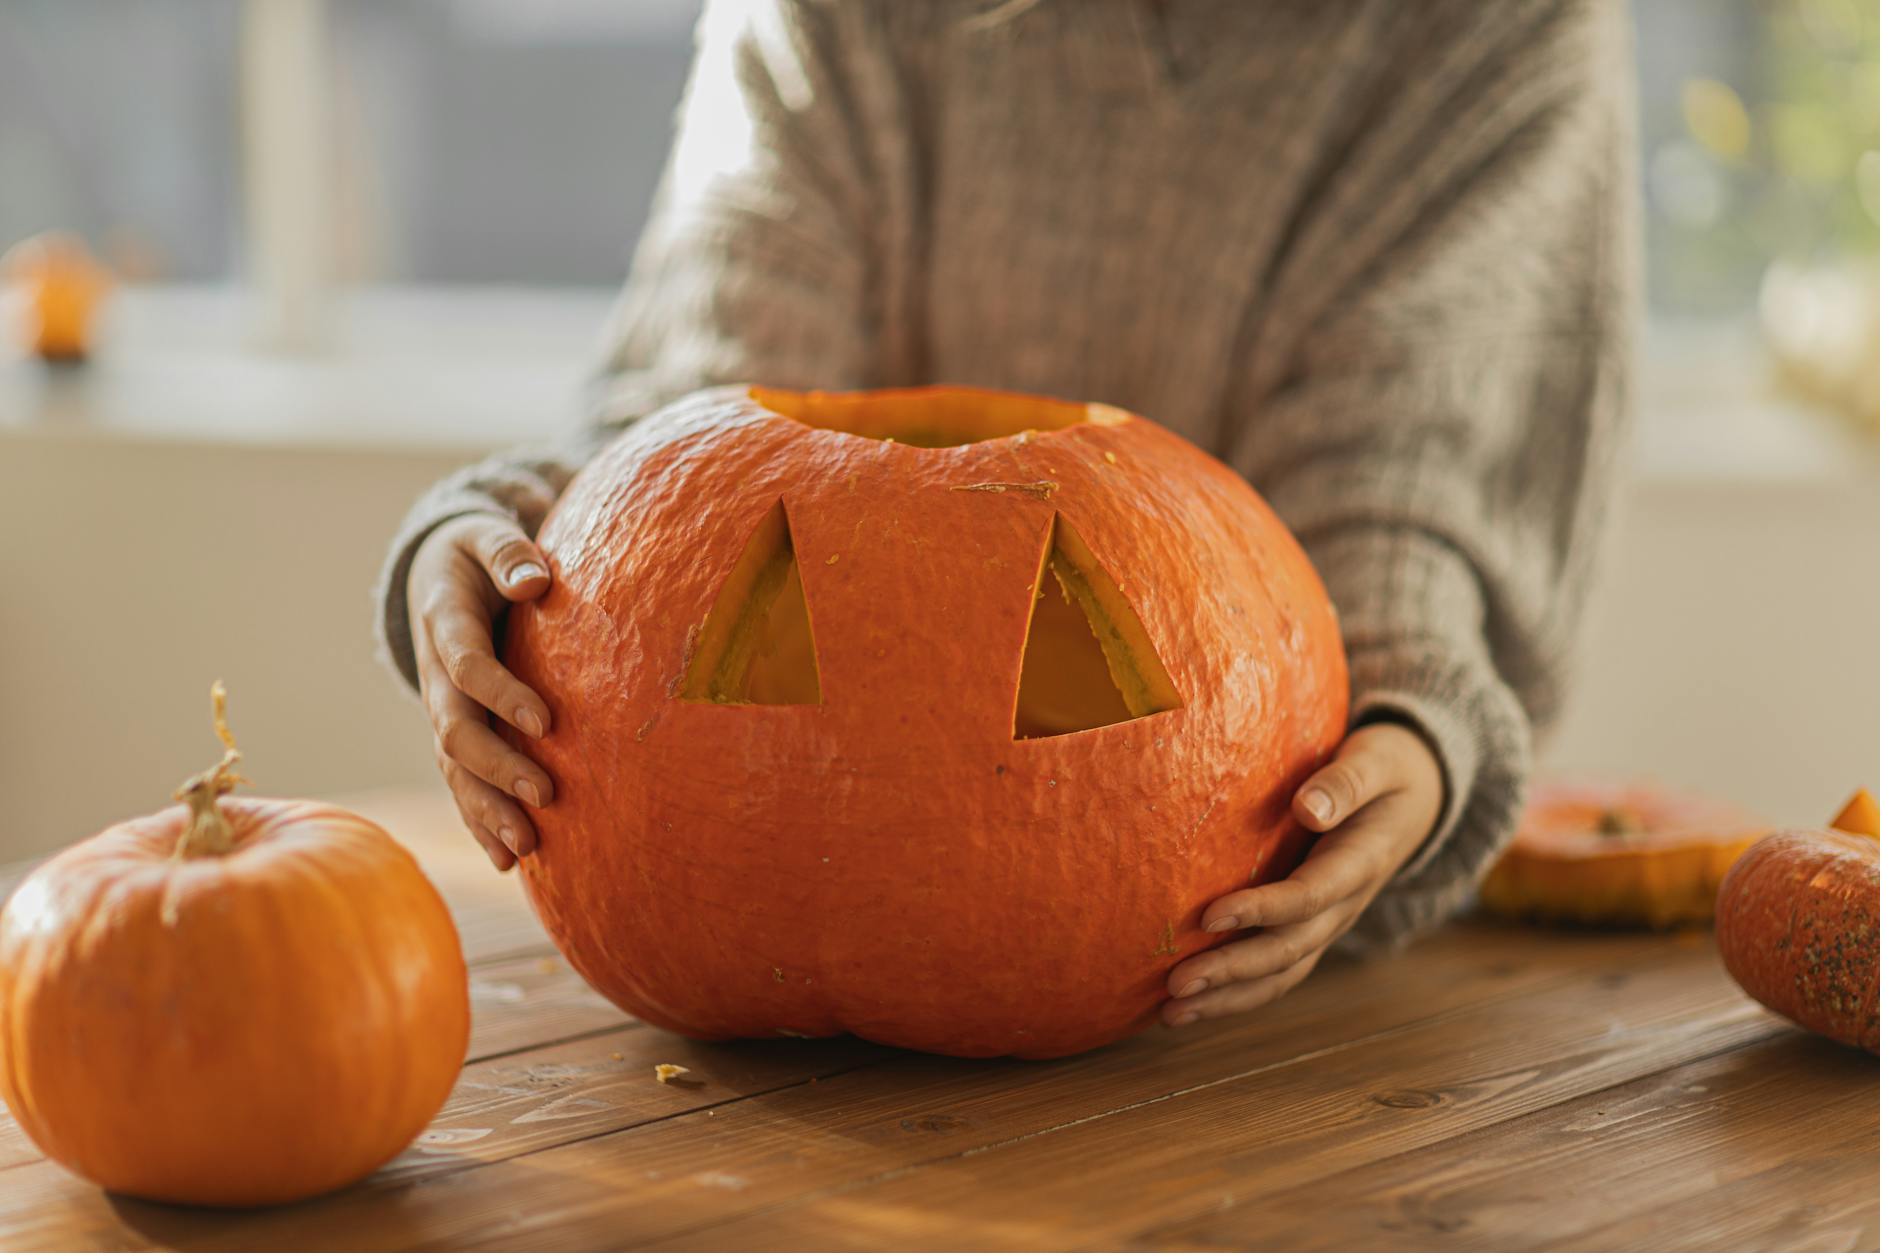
(1735, 645)
(133, 573)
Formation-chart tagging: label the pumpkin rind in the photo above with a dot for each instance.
(255, 1027)
(892, 861)
(1561, 867)
(1798, 928)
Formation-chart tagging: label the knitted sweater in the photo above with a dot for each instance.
(1377, 256)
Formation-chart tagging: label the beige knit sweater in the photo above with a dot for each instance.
(1378, 255)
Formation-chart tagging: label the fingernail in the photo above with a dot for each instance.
(509, 839)
(527, 790)
(522, 572)
(530, 721)
(1193, 986)
(1319, 804)
(1224, 924)
(1184, 1020)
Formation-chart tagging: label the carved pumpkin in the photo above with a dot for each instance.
(934, 716)
(1796, 921)
(231, 1002)
(1617, 855)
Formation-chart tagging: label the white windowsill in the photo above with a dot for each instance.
(466, 370)
(457, 369)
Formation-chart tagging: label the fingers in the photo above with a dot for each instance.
(1336, 869)
(515, 566)
(467, 740)
(460, 635)
(1365, 768)
(1258, 956)
(479, 768)
(493, 848)
(488, 811)
(1240, 997)
(1375, 803)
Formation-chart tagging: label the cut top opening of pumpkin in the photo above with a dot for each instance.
(1087, 661)
(932, 417)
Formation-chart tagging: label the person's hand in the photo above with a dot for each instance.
(464, 575)
(1375, 805)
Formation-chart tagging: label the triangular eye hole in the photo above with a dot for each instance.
(756, 647)
(1088, 662)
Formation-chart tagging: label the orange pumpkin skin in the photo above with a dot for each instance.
(892, 861)
(1657, 865)
(255, 1027)
(1797, 920)
(1861, 815)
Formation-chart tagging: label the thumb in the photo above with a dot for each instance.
(1357, 776)
(515, 565)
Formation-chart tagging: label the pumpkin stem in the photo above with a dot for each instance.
(1617, 822)
(208, 833)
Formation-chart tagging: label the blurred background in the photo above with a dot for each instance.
(352, 244)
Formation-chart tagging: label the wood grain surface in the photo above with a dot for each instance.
(1490, 1088)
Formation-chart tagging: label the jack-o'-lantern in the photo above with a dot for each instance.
(935, 716)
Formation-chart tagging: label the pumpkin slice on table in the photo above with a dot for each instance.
(1795, 921)
(231, 1001)
(1618, 855)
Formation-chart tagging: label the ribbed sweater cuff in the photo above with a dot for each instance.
(1428, 702)
(1412, 609)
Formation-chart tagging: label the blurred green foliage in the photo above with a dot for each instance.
(1783, 166)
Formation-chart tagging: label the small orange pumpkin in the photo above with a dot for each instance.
(64, 286)
(1796, 920)
(1618, 856)
(229, 1002)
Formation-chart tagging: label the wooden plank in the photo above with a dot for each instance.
(584, 1088)
(525, 1002)
(501, 1109)
(1102, 1177)
(515, 1004)
(852, 1133)
(1759, 1146)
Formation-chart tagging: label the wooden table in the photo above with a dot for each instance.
(1492, 1088)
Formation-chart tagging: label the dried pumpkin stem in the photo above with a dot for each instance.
(208, 833)
(1616, 822)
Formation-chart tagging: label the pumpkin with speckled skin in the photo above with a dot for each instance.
(936, 816)
(1797, 921)
(1629, 855)
(1798, 927)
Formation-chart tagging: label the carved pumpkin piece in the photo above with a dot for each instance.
(1618, 855)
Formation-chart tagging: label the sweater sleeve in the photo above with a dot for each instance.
(1446, 361)
(753, 267)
